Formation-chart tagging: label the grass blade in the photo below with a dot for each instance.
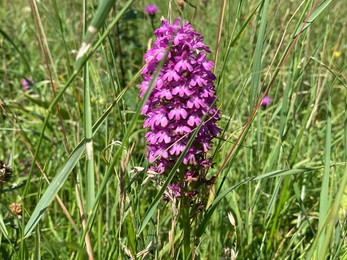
(218, 199)
(53, 189)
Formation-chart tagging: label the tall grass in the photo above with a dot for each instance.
(76, 144)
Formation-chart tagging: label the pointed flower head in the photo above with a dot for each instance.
(182, 99)
(27, 83)
(151, 9)
(266, 102)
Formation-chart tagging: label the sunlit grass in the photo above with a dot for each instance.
(281, 170)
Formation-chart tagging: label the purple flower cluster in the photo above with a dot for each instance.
(266, 102)
(182, 96)
(151, 9)
(27, 83)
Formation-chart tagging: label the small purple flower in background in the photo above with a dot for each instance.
(151, 10)
(266, 102)
(27, 83)
(24, 166)
(182, 99)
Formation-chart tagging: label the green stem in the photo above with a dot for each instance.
(186, 229)
(184, 214)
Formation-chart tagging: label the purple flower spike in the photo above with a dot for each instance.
(26, 83)
(266, 102)
(151, 9)
(182, 99)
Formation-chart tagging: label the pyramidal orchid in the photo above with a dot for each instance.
(266, 102)
(27, 83)
(151, 9)
(181, 101)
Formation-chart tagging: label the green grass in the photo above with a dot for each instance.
(76, 144)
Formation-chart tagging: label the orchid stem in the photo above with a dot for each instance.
(186, 230)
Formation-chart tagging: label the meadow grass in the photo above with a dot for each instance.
(75, 141)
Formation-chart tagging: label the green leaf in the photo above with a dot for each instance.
(313, 16)
(53, 188)
(26, 63)
(273, 174)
